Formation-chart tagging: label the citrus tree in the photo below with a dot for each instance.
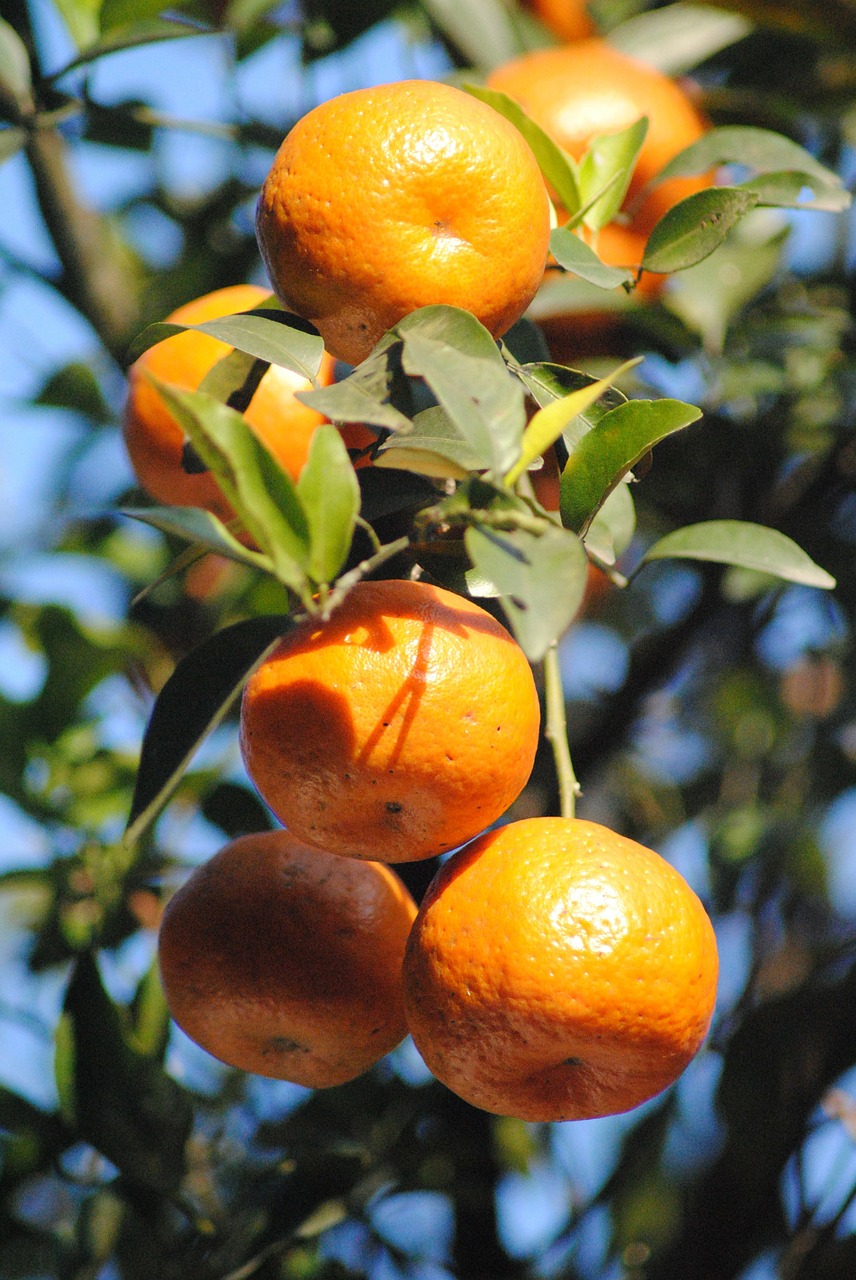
(583, 380)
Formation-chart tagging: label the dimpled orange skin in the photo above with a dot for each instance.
(155, 440)
(398, 729)
(387, 199)
(558, 971)
(578, 90)
(286, 961)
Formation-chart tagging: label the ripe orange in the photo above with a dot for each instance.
(567, 19)
(396, 730)
(155, 440)
(286, 961)
(559, 971)
(387, 199)
(587, 88)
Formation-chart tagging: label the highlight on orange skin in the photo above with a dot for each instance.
(155, 440)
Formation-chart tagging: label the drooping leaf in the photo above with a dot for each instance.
(612, 529)
(199, 527)
(257, 487)
(752, 148)
(679, 36)
(463, 366)
(575, 255)
(744, 544)
(608, 164)
(553, 420)
(695, 227)
(557, 166)
(194, 700)
(434, 447)
(273, 335)
(794, 190)
(481, 29)
(330, 493)
(604, 455)
(361, 397)
(540, 580)
(123, 1102)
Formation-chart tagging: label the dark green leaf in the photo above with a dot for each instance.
(746, 545)
(330, 494)
(559, 168)
(540, 580)
(462, 365)
(199, 527)
(750, 147)
(574, 255)
(190, 705)
(261, 492)
(695, 227)
(75, 387)
(124, 1104)
(604, 455)
(608, 164)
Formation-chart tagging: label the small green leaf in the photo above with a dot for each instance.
(559, 168)
(15, 77)
(463, 366)
(361, 397)
(330, 493)
(257, 487)
(746, 545)
(604, 455)
(199, 527)
(272, 335)
(191, 704)
(787, 190)
(760, 149)
(695, 227)
(434, 447)
(547, 424)
(540, 580)
(548, 382)
(575, 255)
(612, 529)
(64, 1068)
(82, 18)
(609, 162)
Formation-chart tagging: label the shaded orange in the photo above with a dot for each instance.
(396, 730)
(387, 199)
(559, 971)
(586, 88)
(286, 961)
(566, 19)
(155, 440)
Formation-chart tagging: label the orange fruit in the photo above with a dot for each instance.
(387, 199)
(286, 961)
(155, 440)
(566, 19)
(398, 729)
(579, 90)
(559, 971)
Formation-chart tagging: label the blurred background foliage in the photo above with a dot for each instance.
(712, 713)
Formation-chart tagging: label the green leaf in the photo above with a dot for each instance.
(12, 140)
(201, 528)
(330, 493)
(81, 18)
(463, 366)
(124, 37)
(679, 36)
(609, 162)
(540, 580)
(559, 168)
(362, 396)
(257, 487)
(787, 190)
(695, 227)
(612, 529)
(191, 704)
(760, 149)
(575, 255)
(15, 79)
(434, 447)
(547, 424)
(548, 382)
(272, 335)
(746, 545)
(124, 1103)
(481, 29)
(605, 454)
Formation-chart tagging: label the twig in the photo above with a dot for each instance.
(556, 733)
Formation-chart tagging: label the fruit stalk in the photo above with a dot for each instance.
(556, 733)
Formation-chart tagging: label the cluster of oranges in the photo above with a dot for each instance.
(554, 970)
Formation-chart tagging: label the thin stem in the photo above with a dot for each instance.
(360, 571)
(556, 732)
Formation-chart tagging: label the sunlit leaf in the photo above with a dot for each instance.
(15, 79)
(695, 227)
(272, 335)
(194, 700)
(575, 255)
(604, 455)
(330, 494)
(363, 396)
(609, 162)
(540, 580)
(760, 149)
(741, 543)
(199, 527)
(434, 447)
(612, 529)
